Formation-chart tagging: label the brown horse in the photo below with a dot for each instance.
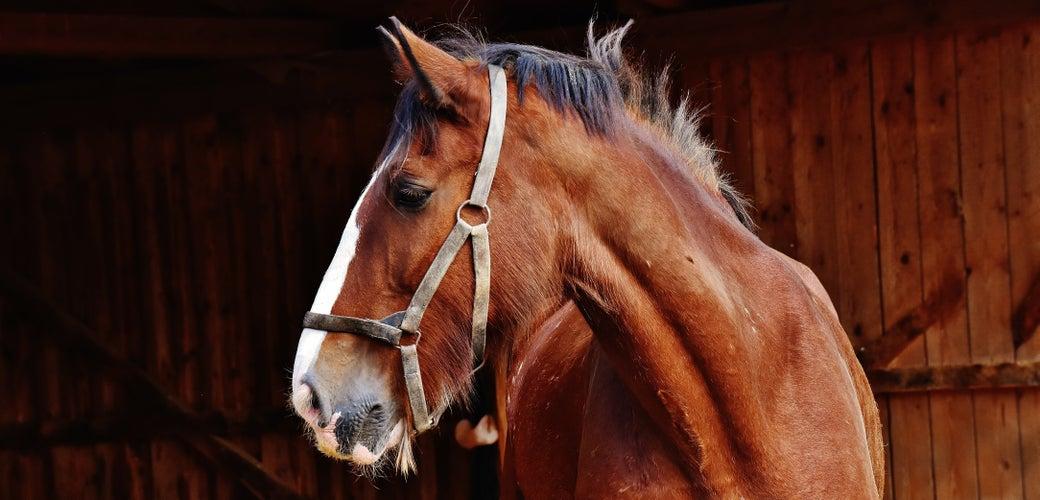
(718, 364)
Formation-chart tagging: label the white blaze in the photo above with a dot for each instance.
(310, 340)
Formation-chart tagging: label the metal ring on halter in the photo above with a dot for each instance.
(486, 210)
(417, 334)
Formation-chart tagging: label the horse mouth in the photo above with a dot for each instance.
(368, 449)
(361, 454)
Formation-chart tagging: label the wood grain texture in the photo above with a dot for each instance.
(771, 151)
(942, 265)
(986, 256)
(900, 243)
(905, 332)
(809, 79)
(730, 114)
(136, 36)
(961, 377)
(1020, 90)
(859, 304)
(193, 211)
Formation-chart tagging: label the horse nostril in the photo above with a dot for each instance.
(363, 425)
(315, 402)
(308, 404)
(375, 415)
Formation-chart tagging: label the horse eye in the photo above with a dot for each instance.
(411, 196)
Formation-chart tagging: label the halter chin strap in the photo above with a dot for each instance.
(405, 324)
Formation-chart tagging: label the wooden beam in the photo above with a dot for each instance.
(1026, 321)
(118, 36)
(746, 28)
(68, 333)
(213, 87)
(776, 25)
(141, 425)
(937, 306)
(954, 378)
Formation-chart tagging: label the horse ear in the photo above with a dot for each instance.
(439, 74)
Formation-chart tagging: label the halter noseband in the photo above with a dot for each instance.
(392, 328)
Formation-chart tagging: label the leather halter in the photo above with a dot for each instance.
(405, 324)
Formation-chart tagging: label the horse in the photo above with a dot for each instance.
(739, 377)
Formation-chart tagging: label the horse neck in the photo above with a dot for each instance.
(596, 424)
(672, 287)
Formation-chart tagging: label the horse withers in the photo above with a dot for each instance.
(516, 180)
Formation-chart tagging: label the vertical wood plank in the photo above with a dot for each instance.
(455, 475)
(64, 397)
(306, 465)
(271, 141)
(276, 457)
(899, 238)
(175, 474)
(1020, 85)
(858, 269)
(195, 187)
(731, 120)
(986, 256)
(771, 151)
(363, 489)
(859, 303)
(204, 173)
(149, 149)
(44, 178)
(279, 152)
(322, 144)
(285, 175)
(136, 469)
(110, 284)
(75, 470)
(192, 176)
(810, 74)
(262, 156)
(236, 250)
(156, 153)
(935, 104)
(29, 469)
(424, 484)
(128, 472)
(9, 484)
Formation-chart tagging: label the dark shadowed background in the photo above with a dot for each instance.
(174, 177)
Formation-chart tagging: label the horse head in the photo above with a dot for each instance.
(350, 389)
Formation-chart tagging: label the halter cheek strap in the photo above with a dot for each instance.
(404, 325)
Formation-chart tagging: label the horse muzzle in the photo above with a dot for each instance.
(359, 430)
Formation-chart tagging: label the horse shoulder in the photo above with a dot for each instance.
(864, 394)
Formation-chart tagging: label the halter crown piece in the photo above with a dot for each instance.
(391, 328)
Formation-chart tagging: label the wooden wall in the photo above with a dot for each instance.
(894, 167)
(191, 242)
(191, 238)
